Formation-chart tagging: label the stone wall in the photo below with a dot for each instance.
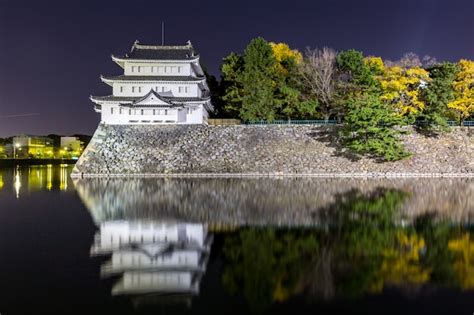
(261, 150)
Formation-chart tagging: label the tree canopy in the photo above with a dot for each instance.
(271, 81)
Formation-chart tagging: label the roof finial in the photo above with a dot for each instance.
(188, 43)
(162, 33)
(135, 43)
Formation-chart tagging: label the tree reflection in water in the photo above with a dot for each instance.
(362, 246)
(321, 239)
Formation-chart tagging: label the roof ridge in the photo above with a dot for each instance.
(137, 45)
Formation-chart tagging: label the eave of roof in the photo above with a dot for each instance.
(135, 78)
(129, 99)
(122, 59)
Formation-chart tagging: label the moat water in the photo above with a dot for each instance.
(234, 246)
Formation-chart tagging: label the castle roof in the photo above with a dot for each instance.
(181, 78)
(158, 52)
(129, 99)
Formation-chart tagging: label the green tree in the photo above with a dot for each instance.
(231, 68)
(369, 128)
(356, 76)
(356, 71)
(258, 79)
(288, 95)
(437, 95)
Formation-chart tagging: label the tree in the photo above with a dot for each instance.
(231, 68)
(412, 60)
(318, 74)
(258, 80)
(463, 104)
(285, 57)
(216, 94)
(356, 71)
(437, 95)
(401, 89)
(369, 129)
(288, 96)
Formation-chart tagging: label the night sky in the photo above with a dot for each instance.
(52, 52)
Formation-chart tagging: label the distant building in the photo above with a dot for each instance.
(3, 151)
(32, 147)
(160, 85)
(71, 147)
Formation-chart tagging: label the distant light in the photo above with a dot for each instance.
(17, 145)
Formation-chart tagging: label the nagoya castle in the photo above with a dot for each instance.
(159, 85)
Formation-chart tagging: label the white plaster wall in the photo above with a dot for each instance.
(158, 69)
(195, 116)
(129, 89)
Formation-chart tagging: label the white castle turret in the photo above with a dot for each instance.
(160, 85)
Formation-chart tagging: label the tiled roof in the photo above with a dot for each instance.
(124, 99)
(152, 78)
(157, 52)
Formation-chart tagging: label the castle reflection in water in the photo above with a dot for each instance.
(264, 242)
(153, 257)
(157, 233)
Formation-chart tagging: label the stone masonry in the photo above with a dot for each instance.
(262, 150)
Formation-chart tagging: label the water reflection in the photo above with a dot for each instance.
(286, 202)
(33, 178)
(283, 240)
(154, 257)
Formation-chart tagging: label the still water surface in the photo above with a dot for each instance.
(234, 246)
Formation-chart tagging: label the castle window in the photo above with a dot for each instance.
(162, 89)
(121, 89)
(139, 68)
(139, 89)
(133, 89)
(143, 112)
(120, 111)
(166, 112)
(129, 111)
(179, 69)
(154, 112)
(166, 69)
(111, 110)
(180, 89)
(133, 68)
(186, 89)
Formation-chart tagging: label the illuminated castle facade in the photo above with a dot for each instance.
(159, 85)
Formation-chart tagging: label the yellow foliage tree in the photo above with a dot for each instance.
(401, 264)
(463, 86)
(463, 249)
(283, 52)
(401, 88)
(375, 64)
